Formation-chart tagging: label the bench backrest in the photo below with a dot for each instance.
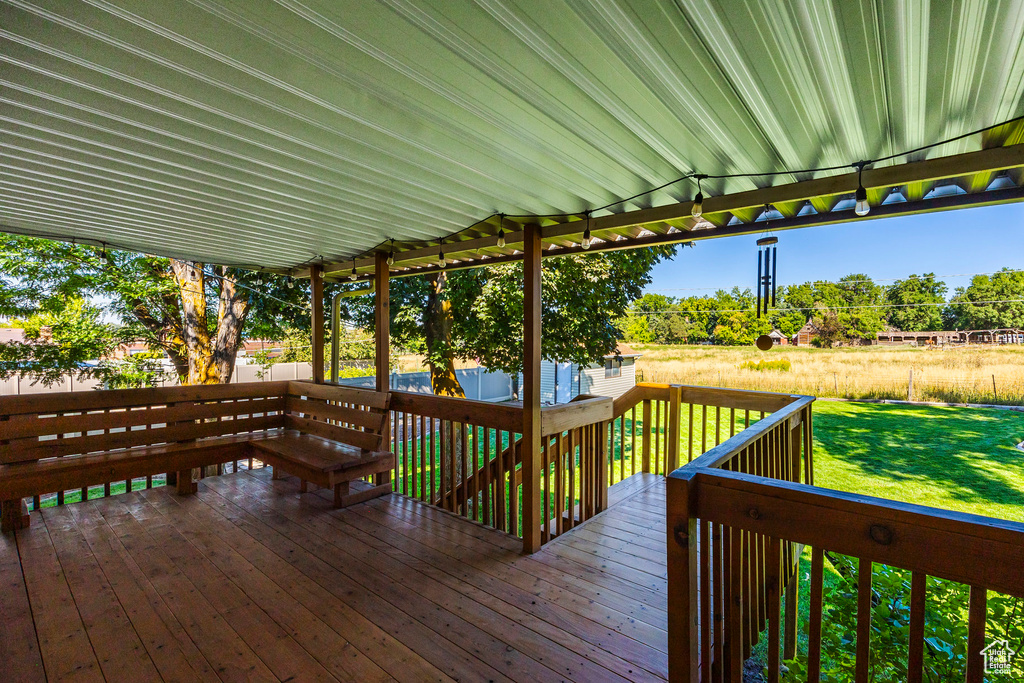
(346, 414)
(60, 424)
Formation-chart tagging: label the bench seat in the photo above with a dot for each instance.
(326, 463)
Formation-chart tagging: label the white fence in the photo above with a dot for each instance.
(478, 383)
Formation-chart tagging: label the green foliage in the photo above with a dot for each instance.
(137, 292)
(945, 651)
(904, 297)
(1004, 285)
(583, 296)
(139, 370)
(780, 364)
(60, 340)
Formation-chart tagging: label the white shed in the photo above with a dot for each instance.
(561, 382)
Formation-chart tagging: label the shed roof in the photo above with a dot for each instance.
(276, 134)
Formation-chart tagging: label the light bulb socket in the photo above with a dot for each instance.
(698, 205)
(862, 208)
(586, 239)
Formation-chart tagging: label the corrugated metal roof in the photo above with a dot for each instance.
(274, 133)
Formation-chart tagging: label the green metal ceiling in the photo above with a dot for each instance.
(269, 134)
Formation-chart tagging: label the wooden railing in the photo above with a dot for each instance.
(460, 455)
(466, 457)
(67, 425)
(736, 533)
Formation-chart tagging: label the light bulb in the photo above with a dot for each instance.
(291, 283)
(391, 258)
(862, 207)
(586, 239)
(501, 239)
(353, 276)
(698, 205)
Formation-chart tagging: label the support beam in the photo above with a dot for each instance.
(531, 389)
(316, 279)
(382, 321)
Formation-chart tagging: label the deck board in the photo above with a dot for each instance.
(250, 580)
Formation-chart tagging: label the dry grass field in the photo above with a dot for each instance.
(953, 375)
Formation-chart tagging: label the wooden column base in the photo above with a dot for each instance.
(185, 484)
(14, 515)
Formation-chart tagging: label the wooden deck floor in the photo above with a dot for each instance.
(251, 581)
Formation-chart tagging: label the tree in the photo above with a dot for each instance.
(58, 341)
(196, 314)
(1006, 288)
(477, 314)
(910, 303)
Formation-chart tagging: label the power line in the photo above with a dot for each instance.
(829, 308)
(841, 282)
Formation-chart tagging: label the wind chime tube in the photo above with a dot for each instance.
(767, 278)
(775, 263)
(759, 284)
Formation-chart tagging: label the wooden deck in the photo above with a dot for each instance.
(250, 581)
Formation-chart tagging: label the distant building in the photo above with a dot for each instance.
(805, 335)
(778, 338)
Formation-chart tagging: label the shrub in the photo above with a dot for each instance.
(780, 364)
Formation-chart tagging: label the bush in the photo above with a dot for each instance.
(781, 364)
(945, 652)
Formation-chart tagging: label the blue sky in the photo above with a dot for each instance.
(964, 241)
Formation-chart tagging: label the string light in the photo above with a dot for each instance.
(862, 208)
(291, 282)
(441, 261)
(353, 276)
(586, 234)
(501, 231)
(391, 254)
(698, 201)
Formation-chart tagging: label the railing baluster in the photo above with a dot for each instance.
(915, 656)
(976, 634)
(863, 666)
(706, 601)
(773, 586)
(814, 619)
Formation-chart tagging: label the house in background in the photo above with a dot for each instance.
(561, 382)
(778, 338)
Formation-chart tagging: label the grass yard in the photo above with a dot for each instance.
(961, 459)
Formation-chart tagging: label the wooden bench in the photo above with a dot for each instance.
(332, 436)
(65, 441)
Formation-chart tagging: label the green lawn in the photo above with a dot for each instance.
(955, 458)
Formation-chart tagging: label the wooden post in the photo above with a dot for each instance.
(531, 388)
(646, 442)
(382, 321)
(910, 385)
(13, 515)
(675, 398)
(683, 658)
(316, 281)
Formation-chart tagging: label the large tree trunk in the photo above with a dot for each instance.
(443, 380)
(438, 334)
(195, 327)
(231, 313)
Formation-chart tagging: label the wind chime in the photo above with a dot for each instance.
(766, 271)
